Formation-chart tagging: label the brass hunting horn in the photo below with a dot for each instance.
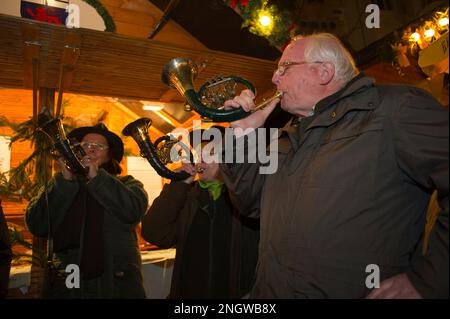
(71, 153)
(180, 74)
(160, 153)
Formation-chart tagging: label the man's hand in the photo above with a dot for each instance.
(90, 164)
(397, 287)
(67, 174)
(245, 100)
(190, 169)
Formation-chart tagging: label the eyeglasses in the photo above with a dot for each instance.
(281, 70)
(93, 146)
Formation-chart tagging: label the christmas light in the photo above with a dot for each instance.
(265, 20)
(443, 22)
(429, 33)
(415, 37)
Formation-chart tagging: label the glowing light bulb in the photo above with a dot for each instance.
(415, 37)
(265, 20)
(429, 33)
(443, 22)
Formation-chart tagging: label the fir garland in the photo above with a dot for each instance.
(101, 10)
(21, 182)
(26, 179)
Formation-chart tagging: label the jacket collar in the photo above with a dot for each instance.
(355, 84)
(332, 108)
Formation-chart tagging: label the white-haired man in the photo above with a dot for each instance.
(356, 170)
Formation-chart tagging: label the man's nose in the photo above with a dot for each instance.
(275, 78)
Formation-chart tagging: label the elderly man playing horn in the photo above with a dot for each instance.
(344, 214)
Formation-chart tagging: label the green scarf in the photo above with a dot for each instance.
(214, 187)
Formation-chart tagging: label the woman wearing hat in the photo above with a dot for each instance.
(216, 247)
(93, 220)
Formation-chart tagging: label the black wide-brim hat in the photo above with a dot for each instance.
(114, 141)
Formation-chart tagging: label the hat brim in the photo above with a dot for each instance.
(114, 141)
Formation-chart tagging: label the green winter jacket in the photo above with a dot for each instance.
(351, 190)
(125, 202)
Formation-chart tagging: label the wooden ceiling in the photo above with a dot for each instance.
(109, 64)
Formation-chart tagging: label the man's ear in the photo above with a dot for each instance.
(326, 73)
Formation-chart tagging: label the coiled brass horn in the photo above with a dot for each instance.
(180, 73)
(71, 154)
(158, 154)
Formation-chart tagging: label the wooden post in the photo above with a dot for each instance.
(47, 101)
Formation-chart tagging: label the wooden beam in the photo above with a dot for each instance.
(188, 123)
(126, 110)
(70, 54)
(114, 65)
(167, 118)
(31, 52)
(46, 100)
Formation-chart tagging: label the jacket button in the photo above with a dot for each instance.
(333, 115)
(119, 274)
(370, 104)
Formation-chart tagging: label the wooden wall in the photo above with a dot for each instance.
(16, 106)
(137, 18)
(385, 73)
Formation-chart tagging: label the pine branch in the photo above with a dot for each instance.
(28, 177)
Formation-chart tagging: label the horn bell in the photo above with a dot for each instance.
(180, 74)
(138, 129)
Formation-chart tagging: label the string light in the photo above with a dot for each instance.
(429, 33)
(415, 37)
(430, 30)
(265, 20)
(443, 22)
(419, 36)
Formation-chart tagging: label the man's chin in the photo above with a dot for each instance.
(285, 107)
(203, 178)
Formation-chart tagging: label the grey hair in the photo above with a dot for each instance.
(326, 47)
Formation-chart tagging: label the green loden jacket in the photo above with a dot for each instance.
(351, 190)
(125, 202)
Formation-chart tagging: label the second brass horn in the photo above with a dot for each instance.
(180, 73)
(138, 130)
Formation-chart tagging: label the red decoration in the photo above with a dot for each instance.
(233, 3)
(244, 3)
(292, 28)
(41, 15)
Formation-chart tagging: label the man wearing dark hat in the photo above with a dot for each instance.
(216, 246)
(93, 220)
